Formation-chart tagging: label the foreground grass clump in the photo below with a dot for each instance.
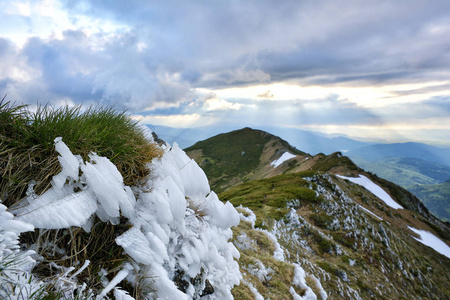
(27, 144)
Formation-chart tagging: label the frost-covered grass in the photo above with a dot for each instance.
(345, 252)
(27, 152)
(167, 238)
(267, 275)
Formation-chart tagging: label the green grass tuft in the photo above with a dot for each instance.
(27, 144)
(271, 194)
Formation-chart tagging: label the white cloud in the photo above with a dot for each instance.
(215, 104)
(188, 120)
(260, 54)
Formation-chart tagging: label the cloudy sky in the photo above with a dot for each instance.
(371, 69)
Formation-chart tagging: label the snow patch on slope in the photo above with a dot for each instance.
(368, 211)
(432, 241)
(286, 156)
(374, 189)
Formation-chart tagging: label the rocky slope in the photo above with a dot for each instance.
(308, 230)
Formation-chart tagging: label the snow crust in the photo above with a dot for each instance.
(432, 241)
(284, 157)
(179, 227)
(374, 189)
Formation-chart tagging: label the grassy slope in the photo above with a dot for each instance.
(268, 197)
(363, 244)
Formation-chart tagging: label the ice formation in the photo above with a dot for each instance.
(15, 265)
(249, 215)
(300, 281)
(278, 254)
(374, 189)
(179, 230)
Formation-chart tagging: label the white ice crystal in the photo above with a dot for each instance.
(15, 265)
(250, 217)
(169, 238)
(71, 210)
(255, 292)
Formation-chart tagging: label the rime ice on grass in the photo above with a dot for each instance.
(179, 233)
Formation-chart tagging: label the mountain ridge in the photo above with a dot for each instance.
(252, 154)
(337, 231)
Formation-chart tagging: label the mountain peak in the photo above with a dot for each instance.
(247, 154)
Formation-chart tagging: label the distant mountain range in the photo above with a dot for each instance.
(307, 141)
(377, 152)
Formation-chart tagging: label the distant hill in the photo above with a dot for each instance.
(436, 197)
(407, 171)
(419, 168)
(375, 153)
(314, 143)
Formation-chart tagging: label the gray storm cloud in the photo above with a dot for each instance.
(165, 51)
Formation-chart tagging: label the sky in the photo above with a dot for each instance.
(366, 69)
